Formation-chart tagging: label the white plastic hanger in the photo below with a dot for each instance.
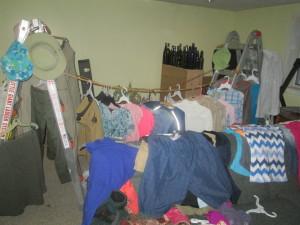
(89, 91)
(260, 209)
(242, 74)
(252, 77)
(17, 122)
(123, 98)
(177, 93)
(168, 97)
(106, 92)
(225, 85)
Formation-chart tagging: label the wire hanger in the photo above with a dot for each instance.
(177, 93)
(260, 209)
(123, 98)
(17, 122)
(225, 85)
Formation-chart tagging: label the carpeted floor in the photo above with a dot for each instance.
(60, 205)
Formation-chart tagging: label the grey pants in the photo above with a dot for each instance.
(42, 114)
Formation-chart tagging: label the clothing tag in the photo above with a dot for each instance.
(9, 105)
(58, 113)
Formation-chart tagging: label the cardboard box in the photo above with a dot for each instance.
(171, 76)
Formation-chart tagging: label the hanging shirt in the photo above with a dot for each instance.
(218, 111)
(230, 112)
(245, 88)
(235, 98)
(90, 124)
(253, 104)
(197, 117)
(271, 79)
(117, 123)
(267, 153)
(136, 113)
(167, 119)
(146, 123)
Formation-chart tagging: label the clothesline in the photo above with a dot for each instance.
(146, 90)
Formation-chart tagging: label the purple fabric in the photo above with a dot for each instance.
(235, 217)
(215, 217)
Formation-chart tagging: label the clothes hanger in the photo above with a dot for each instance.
(146, 99)
(17, 122)
(177, 93)
(169, 105)
(106, 91)
(123, 98)
(252, 77)
(225, 85)
(3, 86)
(168, 97)
(105, 98)
(89, 92)
(243, 75)
(260, 209)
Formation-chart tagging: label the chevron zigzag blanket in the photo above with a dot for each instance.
(267, 153)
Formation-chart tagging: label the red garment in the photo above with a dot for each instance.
(132, 197)
(146, 123)
(294, 127)
(175, 216)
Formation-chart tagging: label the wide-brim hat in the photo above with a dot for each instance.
(46, 55)
(16, 64)
(221, 58)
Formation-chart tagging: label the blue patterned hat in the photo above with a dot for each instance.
(16, 64)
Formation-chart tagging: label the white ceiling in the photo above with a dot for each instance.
(234, 5)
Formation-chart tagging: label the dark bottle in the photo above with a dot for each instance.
(201, 59)
(191, 57)
(197, 60)
(184, 57)
(173, 56)
(179, 56)
(166, 54)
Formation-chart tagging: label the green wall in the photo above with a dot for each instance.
(124, 39)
